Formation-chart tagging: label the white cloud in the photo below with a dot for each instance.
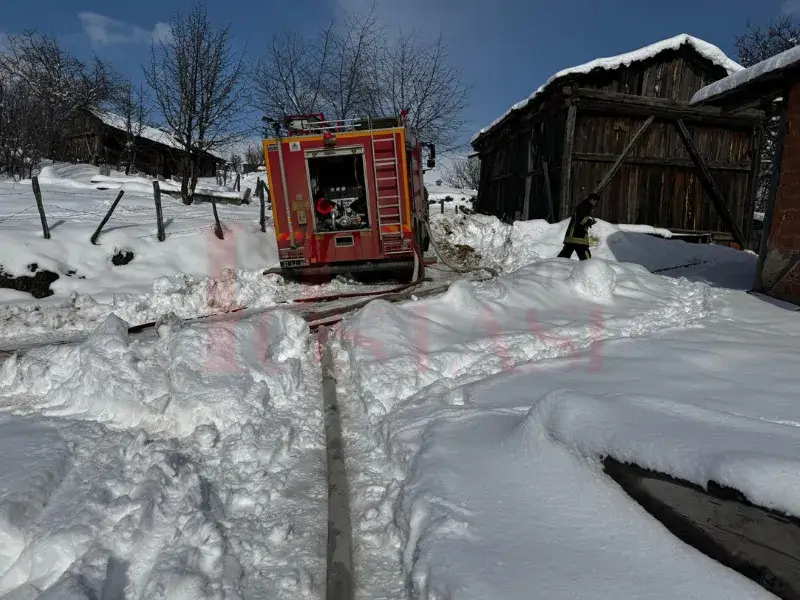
(790, 7)
(104, 31)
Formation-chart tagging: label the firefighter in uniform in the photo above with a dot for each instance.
(577, 237)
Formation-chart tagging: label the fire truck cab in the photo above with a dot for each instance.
(347, 196)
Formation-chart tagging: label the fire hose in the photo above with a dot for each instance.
(492, 272)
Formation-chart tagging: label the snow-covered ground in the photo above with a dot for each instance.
(192, 273)
(186, 466)
(476, 422)
(189, 463)
(458, 198)
(483, 240)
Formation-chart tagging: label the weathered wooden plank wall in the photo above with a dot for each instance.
(658, 185)
(90, 140)
(673, 75)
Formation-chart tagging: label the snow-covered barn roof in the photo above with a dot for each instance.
(771, 68)
(709, 51)
(149, 133)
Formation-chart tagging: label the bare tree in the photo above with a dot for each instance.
(235, 161)
(353, 68)
(132, 105)
(288, 79)
(757, 44)
(41, 71)
(348, 81)
(418, 77)
(195, 78)
(254, 154)
(21, 141)
(463, 173)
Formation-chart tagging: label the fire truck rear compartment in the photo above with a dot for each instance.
(339, 192)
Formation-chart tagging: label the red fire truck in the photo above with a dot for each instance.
(347, 195)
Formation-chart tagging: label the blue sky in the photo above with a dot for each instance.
(506, 48)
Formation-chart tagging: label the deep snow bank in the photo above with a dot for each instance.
(187, 466)
(493, 507)
(484, 240)
(507, 469)
(474, 441)
(544, 310)
(404, 366)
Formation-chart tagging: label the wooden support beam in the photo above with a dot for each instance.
(566, 162)
(681, 163)
(526, 203)
(625, 154)
(783, 128)
(630, 104)
(708, 183)
(752, 189)
(759, 543)
(789, 266)
(548, 192)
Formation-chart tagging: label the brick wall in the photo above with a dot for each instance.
(784, 237)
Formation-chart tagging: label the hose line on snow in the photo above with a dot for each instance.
(489, 270)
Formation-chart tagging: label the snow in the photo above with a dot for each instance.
(705, 49)
(189, 462)
(191, 273)
(480, 240)
(458, 197)
(740, 78)
(477, 420)
(187, 466)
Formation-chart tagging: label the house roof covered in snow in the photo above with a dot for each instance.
(706, 50)
(762, 79)
(153, 134)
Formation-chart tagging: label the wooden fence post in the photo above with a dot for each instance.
(38, 194)
(159, 215)
(442, 201)
(238, 183)
(218, 226)
(260, 192)
(106, 218)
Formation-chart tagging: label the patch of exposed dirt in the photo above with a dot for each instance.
(122, 257)
(464, 252)
(37, 285)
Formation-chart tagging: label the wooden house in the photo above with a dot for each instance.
(548, 152)
(777, 274)
(100, 138)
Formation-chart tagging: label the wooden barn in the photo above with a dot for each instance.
(778, 274)
(99, 137)
(566, 140)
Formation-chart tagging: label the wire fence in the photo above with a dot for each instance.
(129, 215)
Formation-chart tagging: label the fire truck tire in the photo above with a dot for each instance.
(421, 235)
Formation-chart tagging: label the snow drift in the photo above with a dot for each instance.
(186, 466)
